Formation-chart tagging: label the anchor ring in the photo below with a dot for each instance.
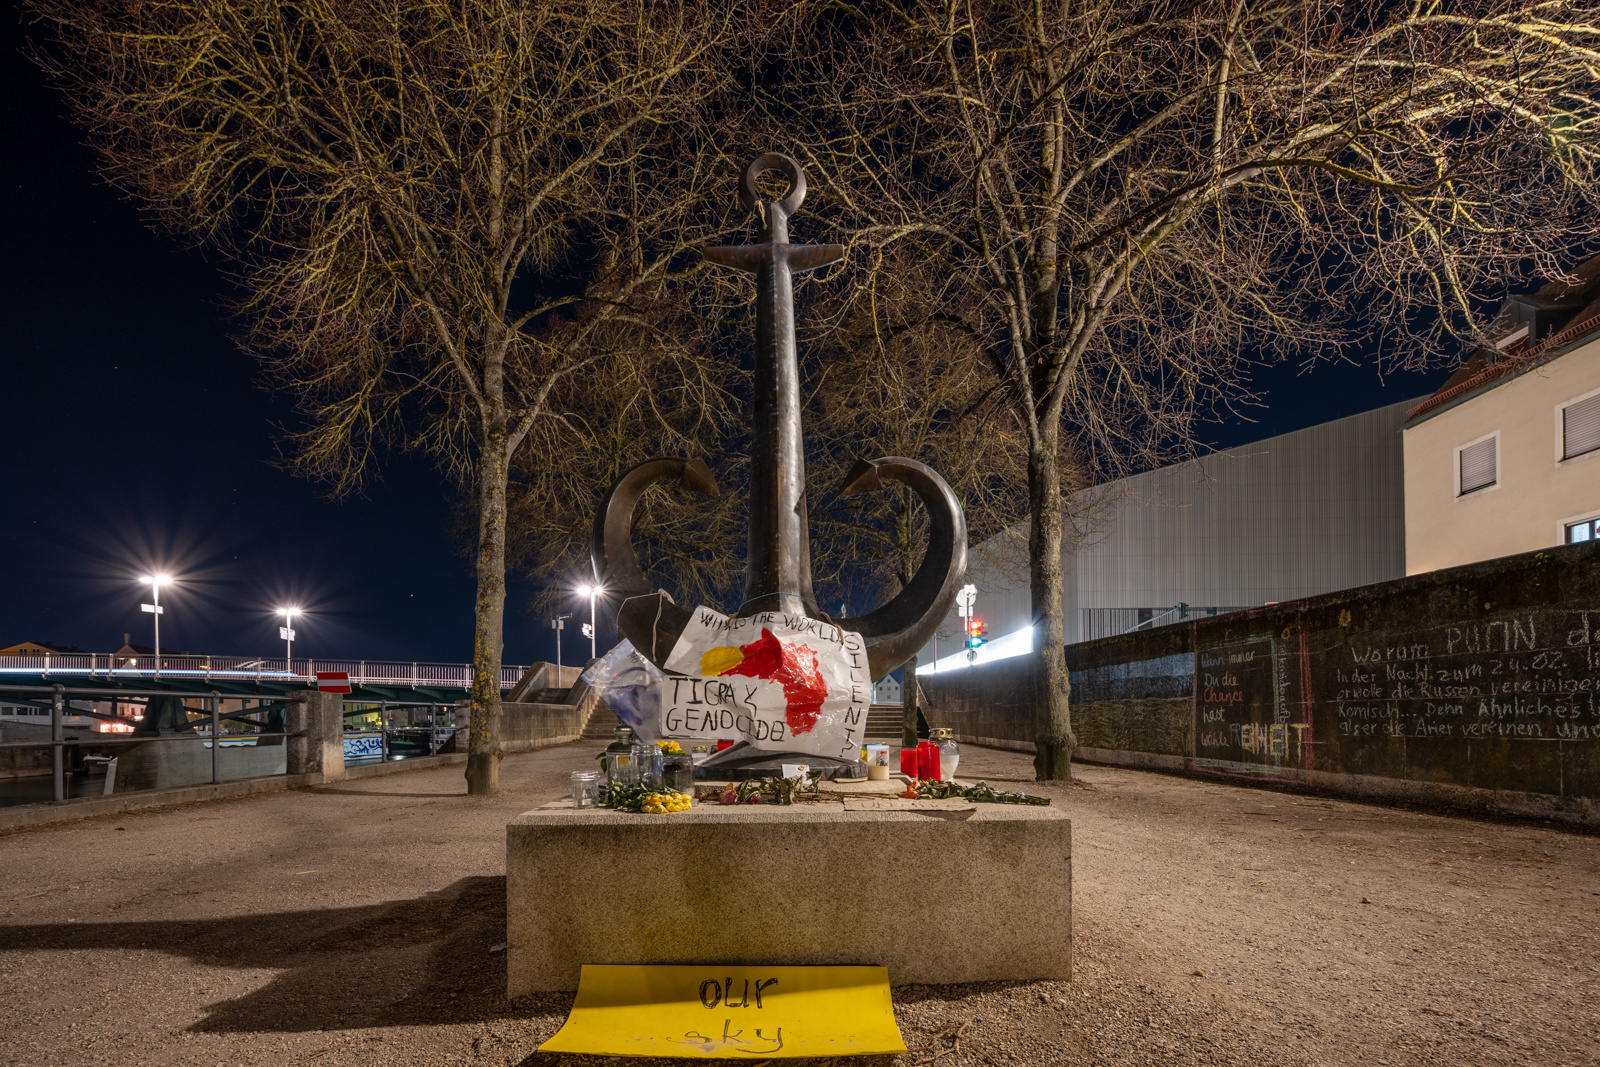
(783, 165)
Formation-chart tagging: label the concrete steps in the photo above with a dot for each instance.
(883, 722)
(602, 721)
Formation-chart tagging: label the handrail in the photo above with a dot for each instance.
(1181, 609)
(362, 672)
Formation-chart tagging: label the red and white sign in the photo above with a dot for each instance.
(333, 681)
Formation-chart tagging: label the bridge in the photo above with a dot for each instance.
(242, 676)
(245, 699)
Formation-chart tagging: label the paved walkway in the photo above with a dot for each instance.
(358, 925)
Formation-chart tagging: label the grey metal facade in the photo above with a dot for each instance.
(1308, 512)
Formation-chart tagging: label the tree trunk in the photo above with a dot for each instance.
(908, 730)
(1053, 737)
(483, 741)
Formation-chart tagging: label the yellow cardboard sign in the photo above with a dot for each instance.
(733, 1012)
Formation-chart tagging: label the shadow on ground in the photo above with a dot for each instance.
(426, 961)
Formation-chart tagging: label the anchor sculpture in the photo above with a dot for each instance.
(778, 571)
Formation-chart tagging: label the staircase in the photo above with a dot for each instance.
(602, 721)
(884, 722)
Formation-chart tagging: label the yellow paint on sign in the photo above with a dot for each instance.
(733, 1012)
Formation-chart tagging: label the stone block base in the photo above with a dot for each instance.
(937, 898)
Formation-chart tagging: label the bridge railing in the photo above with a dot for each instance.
(362, 672)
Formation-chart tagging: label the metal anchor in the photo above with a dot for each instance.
(778, 571)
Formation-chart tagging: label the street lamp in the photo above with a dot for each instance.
(591, 591)
(155, 582)
(966, 601)
(286, 631)
(558, 624)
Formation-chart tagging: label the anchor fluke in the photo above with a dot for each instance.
(863, 478)
(646, 616)
(895, 631)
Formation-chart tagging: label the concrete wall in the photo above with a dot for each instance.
(187, 761)
(1538, 492)
(1476, 688)
(529, 726)
(525, 726)
(1290, 516)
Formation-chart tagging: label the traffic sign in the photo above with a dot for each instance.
(154, 609)
(285, 634)
(333, 681)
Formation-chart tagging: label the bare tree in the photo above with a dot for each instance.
(1135, 199)
(674, 395)
(410, 188)
(897, 374)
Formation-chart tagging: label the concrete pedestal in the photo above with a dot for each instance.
(937, 897)
(315, 724)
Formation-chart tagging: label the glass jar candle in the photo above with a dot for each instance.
(678, 773)
(585, 789)
(949, 755)
(648, 758)
(619, 765)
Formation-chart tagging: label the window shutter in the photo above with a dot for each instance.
(1580, 427)
(1478, 466)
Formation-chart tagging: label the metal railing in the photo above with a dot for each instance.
(437, 732)
(268, 669)
(58, 741)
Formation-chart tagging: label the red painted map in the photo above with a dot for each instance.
(790, 665)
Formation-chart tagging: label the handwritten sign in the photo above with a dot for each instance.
(712, 1011)
(782, 682)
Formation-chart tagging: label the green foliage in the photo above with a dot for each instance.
(982, 793)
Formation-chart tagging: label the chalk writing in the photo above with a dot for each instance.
(1528, 676)
(1245, 697)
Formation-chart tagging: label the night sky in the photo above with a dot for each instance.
(138, 438)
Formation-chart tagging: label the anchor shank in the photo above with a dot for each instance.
(779, 570)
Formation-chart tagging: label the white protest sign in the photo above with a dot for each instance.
(783, 682)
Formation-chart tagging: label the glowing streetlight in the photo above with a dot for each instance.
(286, 631)
(155, 582)
(590, 591)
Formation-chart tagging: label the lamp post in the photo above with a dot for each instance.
(591, 591)
(558, 624)
(286, 631)
(155, 582)
(966, 601)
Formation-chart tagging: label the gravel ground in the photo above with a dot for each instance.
(1213, 925)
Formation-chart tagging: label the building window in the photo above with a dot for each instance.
(1477, 465)
(1580, 427)
(1579, 532)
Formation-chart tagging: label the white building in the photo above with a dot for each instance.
(1505, 458)
(1308, 512)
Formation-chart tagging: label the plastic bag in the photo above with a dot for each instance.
(629, 685)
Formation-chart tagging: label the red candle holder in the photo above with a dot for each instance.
(724, 744)
(909, 762)
(928, 760)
